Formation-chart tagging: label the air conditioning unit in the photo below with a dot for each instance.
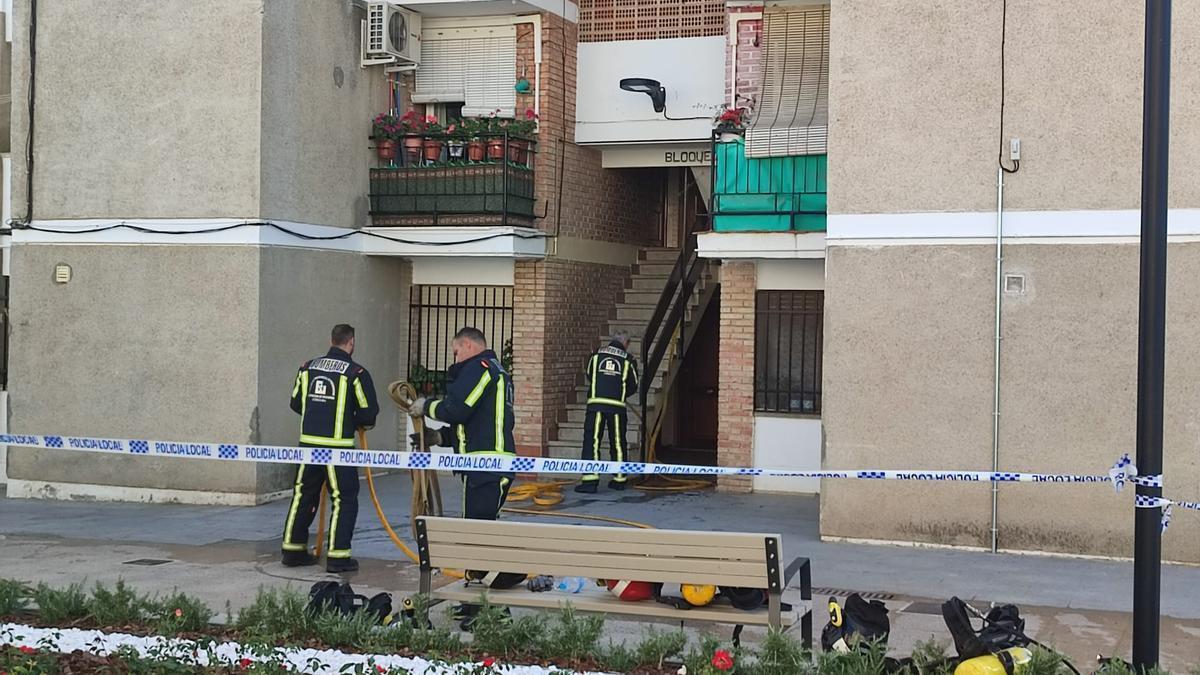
(391, 34)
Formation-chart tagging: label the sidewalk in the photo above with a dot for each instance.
(224, 554)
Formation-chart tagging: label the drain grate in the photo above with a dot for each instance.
(842, 592)
(930, 608)
(146, 562)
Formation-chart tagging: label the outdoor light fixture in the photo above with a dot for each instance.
(651, 88)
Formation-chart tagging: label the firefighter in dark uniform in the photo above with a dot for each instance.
(479, 412)
(612, 377)
(334, 396)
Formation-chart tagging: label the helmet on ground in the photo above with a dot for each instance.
(698, 595)
(631, 590)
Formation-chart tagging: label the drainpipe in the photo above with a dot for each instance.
(996, 351)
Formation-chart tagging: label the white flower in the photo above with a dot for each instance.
(682, 670)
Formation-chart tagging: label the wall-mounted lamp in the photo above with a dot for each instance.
(651, 88)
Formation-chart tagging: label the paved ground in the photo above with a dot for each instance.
(224, 554)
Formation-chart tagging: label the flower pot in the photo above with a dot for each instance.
(728, 136)
(476, 150)
(495, 149)
(412, 148)
(386, 147)
(433, 150)
(456, 149)
(518, 151)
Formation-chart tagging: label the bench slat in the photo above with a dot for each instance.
(592, 572)
(609, 604)
(632, 535)
(710, 550)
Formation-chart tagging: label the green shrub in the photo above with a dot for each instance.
(120, 606)
(179, 612)
(61, 605)
(275, 615)
(14, 596)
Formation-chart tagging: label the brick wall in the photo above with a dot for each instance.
(561, 310)
(735, 421)
(747, 81)
(600, 204)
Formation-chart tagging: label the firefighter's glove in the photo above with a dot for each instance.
(540, 584)
(418, 407)
(433, 438)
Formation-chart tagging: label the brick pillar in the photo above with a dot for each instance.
(529, 355)
(735, 421)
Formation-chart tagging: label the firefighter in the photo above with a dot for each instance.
(478, 409)
(612, 377)
(334, 396)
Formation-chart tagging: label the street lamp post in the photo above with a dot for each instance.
(1147, 560)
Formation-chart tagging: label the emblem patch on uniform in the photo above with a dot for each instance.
(610, 366)
(322, 389)
(330, 365)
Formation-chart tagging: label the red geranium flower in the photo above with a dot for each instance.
(722, 660)
(245, 663)
(489, 662)
(380, 669)
(28, 650)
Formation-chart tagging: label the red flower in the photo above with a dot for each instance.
(178, 613)
(245, 663)
(489, 662)
(530, 114)
(28, 650)
(722, 660)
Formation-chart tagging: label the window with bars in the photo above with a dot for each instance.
(436, 315)
(788, 328)
(611, 20)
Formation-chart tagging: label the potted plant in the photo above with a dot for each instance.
(519, 133)
(458, 134)
(496, 127)
(434, 140)
(472, 129)
(412, 126)
(383, 130)
(730, 123)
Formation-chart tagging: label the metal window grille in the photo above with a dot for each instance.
(611, 20)
(788, 328)
(437, 314)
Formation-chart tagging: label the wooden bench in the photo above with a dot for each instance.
(730, 559)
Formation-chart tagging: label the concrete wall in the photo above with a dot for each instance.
(304, 294)
(159, 118)
(914, 117)
(154, 343)
(908, 384)
(317, 106)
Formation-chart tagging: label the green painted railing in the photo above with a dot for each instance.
(766, 194)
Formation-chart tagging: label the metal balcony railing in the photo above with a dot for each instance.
(437, 180)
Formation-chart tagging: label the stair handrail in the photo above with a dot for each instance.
(662, 325)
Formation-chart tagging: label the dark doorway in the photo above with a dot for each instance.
(695, 394)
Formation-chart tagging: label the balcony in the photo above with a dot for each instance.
(438, 181)
(770, 194)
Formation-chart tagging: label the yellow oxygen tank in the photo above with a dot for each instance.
(1011, 661)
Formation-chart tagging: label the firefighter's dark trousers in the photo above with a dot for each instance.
(484, 495)
(594, 424)
(306, 497)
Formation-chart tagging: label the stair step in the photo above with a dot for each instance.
(657, 268)
(649, 282)
(660, 254)
(564, 449)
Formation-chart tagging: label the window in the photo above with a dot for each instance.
(609, 20)
(476, 67)
(788, 327)
(437, 314)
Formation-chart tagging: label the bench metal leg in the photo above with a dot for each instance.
(773, 611)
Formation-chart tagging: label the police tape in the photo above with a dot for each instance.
(1121, 473)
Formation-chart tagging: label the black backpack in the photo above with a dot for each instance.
(331, 596)
(1003, 627)
(861, 621)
